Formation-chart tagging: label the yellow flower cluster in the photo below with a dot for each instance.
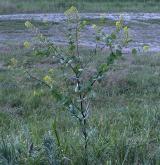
(94, 26)
(119, 23)
(26, 44)
(48, 80)
(72, 10)
(72, 13)
(125, 29)
(145, 48)
(13, 62)
(28, 24)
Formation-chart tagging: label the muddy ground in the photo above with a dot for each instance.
(144, 28)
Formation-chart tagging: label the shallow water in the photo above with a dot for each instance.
(144, 28)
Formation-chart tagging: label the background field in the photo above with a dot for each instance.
(23, 6)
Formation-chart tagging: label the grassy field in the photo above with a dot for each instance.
(39, 6)
(125, 117)
(124, 121)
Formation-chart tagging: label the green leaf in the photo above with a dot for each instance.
(134, 51)
(56, 94)
(54, 128)
(42, 52)
(118, 53)
(111, 58)
(113, 36)
(103, 68)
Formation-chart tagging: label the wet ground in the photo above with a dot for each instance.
(144, 28)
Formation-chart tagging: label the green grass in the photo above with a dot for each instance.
(124, 121)
(38, 6)
(125, 116)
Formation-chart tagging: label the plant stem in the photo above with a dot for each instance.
(84, 122)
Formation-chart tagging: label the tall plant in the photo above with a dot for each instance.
(74, 91)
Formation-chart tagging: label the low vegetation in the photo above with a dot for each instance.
(39, 6)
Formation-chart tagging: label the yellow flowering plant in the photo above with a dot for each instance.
(75, 90)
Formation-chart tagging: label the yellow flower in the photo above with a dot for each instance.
(47, 79)
(72, 13)
(94, 26)
(145, 48)
(71, 10)
(28, 24)
(118, 24)
(13, 62)
(51, 71)
(84, 22)
(26, 44)
(125, 29)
